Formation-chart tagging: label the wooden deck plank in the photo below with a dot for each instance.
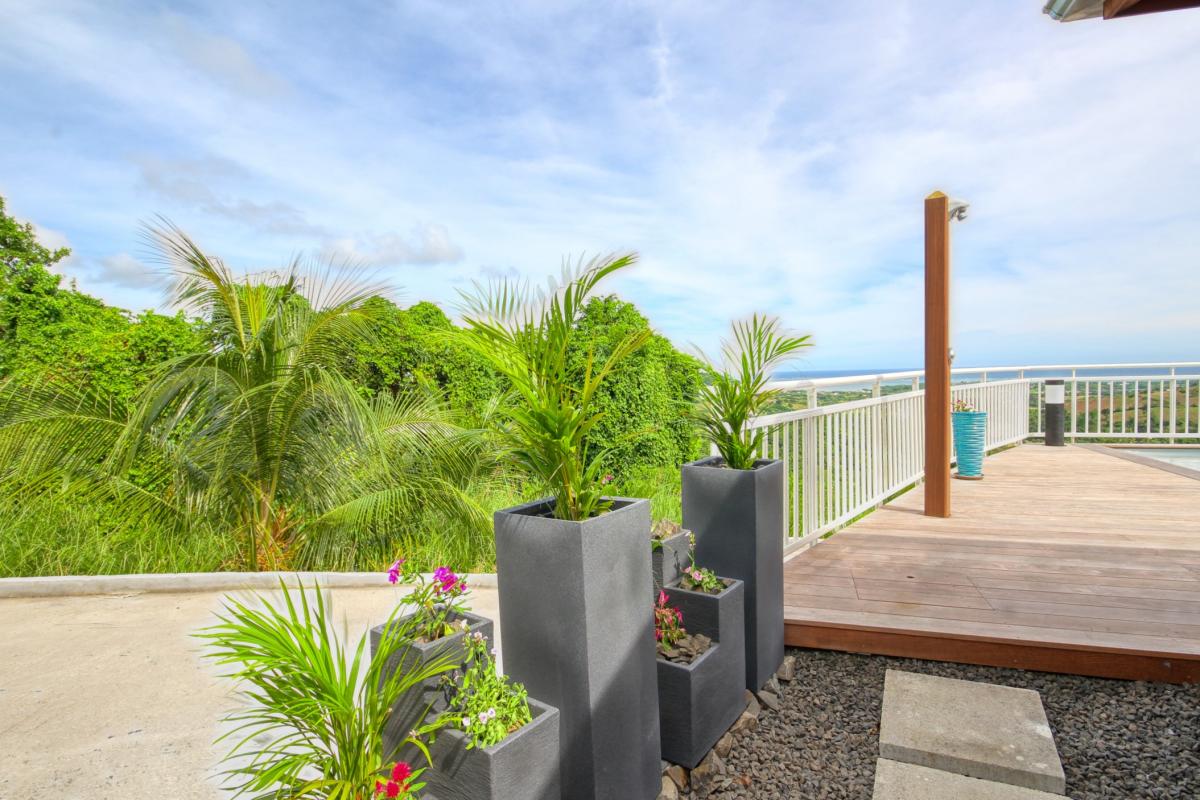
(1057, 550)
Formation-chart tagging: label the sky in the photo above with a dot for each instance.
(760, 157)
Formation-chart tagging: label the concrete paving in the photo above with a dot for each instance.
(996, 733)
(106, 697)
(898, 781)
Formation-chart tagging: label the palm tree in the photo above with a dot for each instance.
(261, 434)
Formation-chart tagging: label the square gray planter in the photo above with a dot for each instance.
(522, 767)
(699, 702)
(668, 557)
(579, 634)
(410, 708)
(737, 517)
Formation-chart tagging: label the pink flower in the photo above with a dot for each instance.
(393, 572)
(401, 771)
(392, 789)
(662, 597)
(447, 581)
(378, 787)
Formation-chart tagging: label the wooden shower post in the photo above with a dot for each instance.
(937, 355)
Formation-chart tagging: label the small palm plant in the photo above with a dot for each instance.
(734, 394)
(314, 720)
(526, 336)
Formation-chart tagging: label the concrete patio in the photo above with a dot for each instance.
(106, 697)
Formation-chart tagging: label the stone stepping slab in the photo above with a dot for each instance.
(895, 780)
(979, 730)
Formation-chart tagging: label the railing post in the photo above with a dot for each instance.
(812, 397)
(937, 355)
(1174, 389)
(1074, 404)
(876, 390)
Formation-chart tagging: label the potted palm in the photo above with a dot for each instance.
(573, 568)
(496, 743)
(970, 439)
(733, 502)
(314, 717)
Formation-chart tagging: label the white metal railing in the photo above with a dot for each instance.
(844, 459)
(1166, 407)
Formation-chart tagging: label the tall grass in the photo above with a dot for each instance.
(54, 536)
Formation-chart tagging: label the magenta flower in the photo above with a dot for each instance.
(393, 572)
(446, 581)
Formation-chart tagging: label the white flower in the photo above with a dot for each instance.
(466, 722)
(483, 716)
(491, 712)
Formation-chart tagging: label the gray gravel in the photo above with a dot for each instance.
(1117, 739)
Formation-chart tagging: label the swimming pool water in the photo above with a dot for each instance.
(1179, 456)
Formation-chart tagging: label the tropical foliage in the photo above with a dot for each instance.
(127, 437)
(313, 722)
(735, 391)
(529, 337)
(260, 434)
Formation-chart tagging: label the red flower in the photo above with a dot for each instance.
(401, 771)
(378, 787)
(393, 789)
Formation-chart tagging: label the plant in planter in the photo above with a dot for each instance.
(438, 622)
(970, 439)
(669, 548)
(497, 742)
(701, 670)
(700, 579)
(573, 569)
(314, 720)
(674, 642)
(734, 502)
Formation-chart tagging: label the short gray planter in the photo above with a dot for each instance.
(411, 708)
(737, 517)
(699, 702)
(579, 634)
(522, 767)
(668, 558)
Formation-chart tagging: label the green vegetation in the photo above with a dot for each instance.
(736, 392)
(258, 435)
(530, 338)
(312, 726)
(271, 423)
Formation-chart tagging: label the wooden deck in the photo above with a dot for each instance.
(1061, 559)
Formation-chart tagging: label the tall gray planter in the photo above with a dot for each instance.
(409, 710)
(522, 767)
(737, 517)
(579, 633)
(699, 702)
(668, 557)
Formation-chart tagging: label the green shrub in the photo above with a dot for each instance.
(647, 399)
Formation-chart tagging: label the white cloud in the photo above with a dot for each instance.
(124, 270)
(220, 58)
(429, 244)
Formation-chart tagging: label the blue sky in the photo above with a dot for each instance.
(759, 156)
